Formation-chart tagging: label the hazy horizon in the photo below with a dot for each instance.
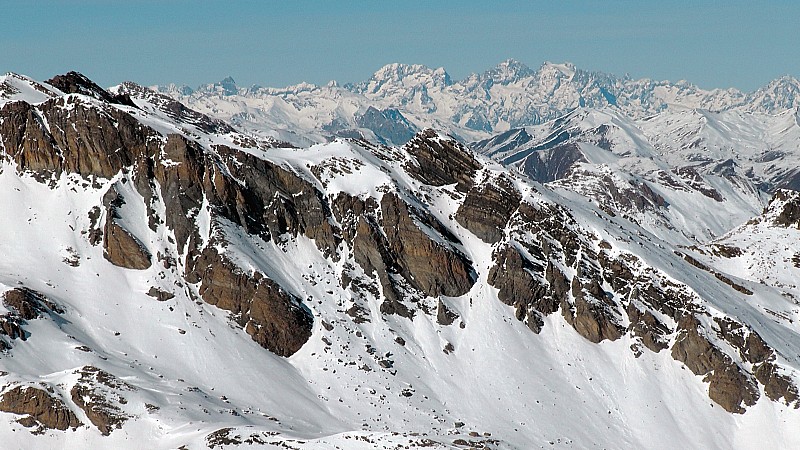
(740, 45)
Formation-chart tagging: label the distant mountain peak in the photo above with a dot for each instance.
(566, 69)
(508, 71)
(398, 72)
(227, 86)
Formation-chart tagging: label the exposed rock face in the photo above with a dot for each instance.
(441, 162)
(80, 138)
(26, 304)
(96, 141)
(174, 109)
(431, 267)
(160, 294)
(120, 246)
(48, 410)
(594, 319)
(284, 202)
(488, 207)
(729, 385)
(77, 83)
(790, 213)
(648, 328)
(550, 164)
(518, 286)
(777, 385)
(361, 229)
(98, 394)
(388, 242)
(273, 317)
(444, 315)
(529, 273)
(389, 125)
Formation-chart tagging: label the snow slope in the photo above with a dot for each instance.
(193, 376)
(689, 176)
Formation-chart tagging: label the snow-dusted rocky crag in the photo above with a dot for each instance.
(169, 281)
(400, 99)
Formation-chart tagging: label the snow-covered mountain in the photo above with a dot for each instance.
(414, 97)
(689, 176)
(169, 281)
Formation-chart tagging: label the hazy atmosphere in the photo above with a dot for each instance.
(742, 45)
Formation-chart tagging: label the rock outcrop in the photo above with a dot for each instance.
(488, 207)
(729, 385)
(441, 161)
(40, 407)
(25, 304)
(98, 394)
(434, 268)
(270, 315)
(120, 246)
(207, 208)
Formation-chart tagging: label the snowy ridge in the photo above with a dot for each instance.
(510, 95)
(688, 176)
(449, 302)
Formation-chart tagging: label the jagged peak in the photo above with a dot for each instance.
(226, 87)
(783, 80)
(566, 69)
(508, 71)
(74, 82)
(397, 72)
(172, 88)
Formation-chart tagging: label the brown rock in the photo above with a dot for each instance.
(160, 294)
(594, 321)
(440, 162)
(97, 393)
(275, 319)
(11, 326)
(120, 246)
(488, 207)
(646, 326)
(512, 276)
(48, 410)
(431, 267)
(776, 385)
(694, 349)
(444, 315)
(29, 304)
(729, 385)
(594, 317)
(83, 138)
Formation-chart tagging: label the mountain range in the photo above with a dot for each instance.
(194, 269)
(400, 99)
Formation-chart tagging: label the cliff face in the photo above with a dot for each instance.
(348, 251)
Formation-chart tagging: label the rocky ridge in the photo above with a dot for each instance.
(689, 177)
(290, 245)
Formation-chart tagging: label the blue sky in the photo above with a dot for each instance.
(734, 43)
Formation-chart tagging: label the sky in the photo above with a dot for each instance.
(741, 44)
